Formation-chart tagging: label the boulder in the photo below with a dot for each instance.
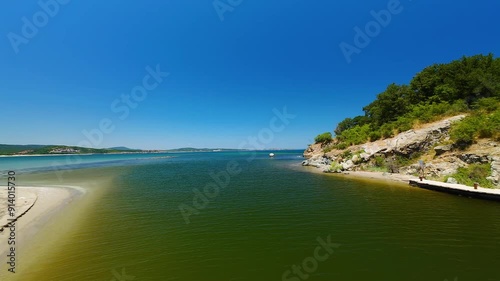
(473, 158)
(356, 159)
(348, 165)
(365, 156)
(452, 180)
(314, 151)
(443, 149)
(495, 170)
(322, 163)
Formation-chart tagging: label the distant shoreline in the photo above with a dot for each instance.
(79, 154)
(148, 152)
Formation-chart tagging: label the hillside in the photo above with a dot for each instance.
(6, 149)
(448, 117)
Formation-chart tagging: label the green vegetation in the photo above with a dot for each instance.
(380, 162)
(324, 138)
(347, 154)
(53, 149)
(469, 85)
(379, 165)
(6, 149)
(327, 149)
(473, 173)
(335, 166)
(484, 122)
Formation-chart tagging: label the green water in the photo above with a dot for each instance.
(270, 217)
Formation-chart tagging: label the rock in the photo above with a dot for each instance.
(410, 170)
(443, 149)
(473, 158)
(406, 144)
(452, 180)
(356, 159)
(322, 163)
(314, 151)
(492, 179)
(495, 170)
(365, 156)
(326, 169)
(412, 141)
(348, 165)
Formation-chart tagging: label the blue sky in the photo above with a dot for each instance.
(225, 77)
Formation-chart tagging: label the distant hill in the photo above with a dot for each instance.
(123, 148)
(7, 149)
(192, 149)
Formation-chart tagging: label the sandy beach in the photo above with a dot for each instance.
(35, 207)
(379, 176)
(363, 175)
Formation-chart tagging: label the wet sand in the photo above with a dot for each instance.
(380, 176)
(363, 175)
(35, 207)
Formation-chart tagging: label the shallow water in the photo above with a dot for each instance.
(269, 217)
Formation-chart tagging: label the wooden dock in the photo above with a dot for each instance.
(458, 189)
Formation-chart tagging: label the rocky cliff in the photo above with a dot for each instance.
(401, 154)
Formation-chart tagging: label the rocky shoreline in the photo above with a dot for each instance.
(429, 144)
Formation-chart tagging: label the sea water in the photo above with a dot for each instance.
(245, 216)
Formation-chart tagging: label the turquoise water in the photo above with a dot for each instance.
(68, 162)
(269, 215)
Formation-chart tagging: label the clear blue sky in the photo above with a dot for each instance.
(226, 77)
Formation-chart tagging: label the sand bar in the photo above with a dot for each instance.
(35, 206)
(24, 199)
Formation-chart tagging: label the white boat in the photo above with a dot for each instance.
(271, 155)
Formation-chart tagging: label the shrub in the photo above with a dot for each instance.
(387, 131)
(380, 162)
(335, 166)
(341, 146)
(324, 138)
(474, 173)
(486, 104)
(347, 154)
(458, 106)
(495, 120)
(463, 132)
(475, 126)
(404, 124)
(374, 135)
(355, 135)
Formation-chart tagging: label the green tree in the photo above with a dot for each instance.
(324, 138)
